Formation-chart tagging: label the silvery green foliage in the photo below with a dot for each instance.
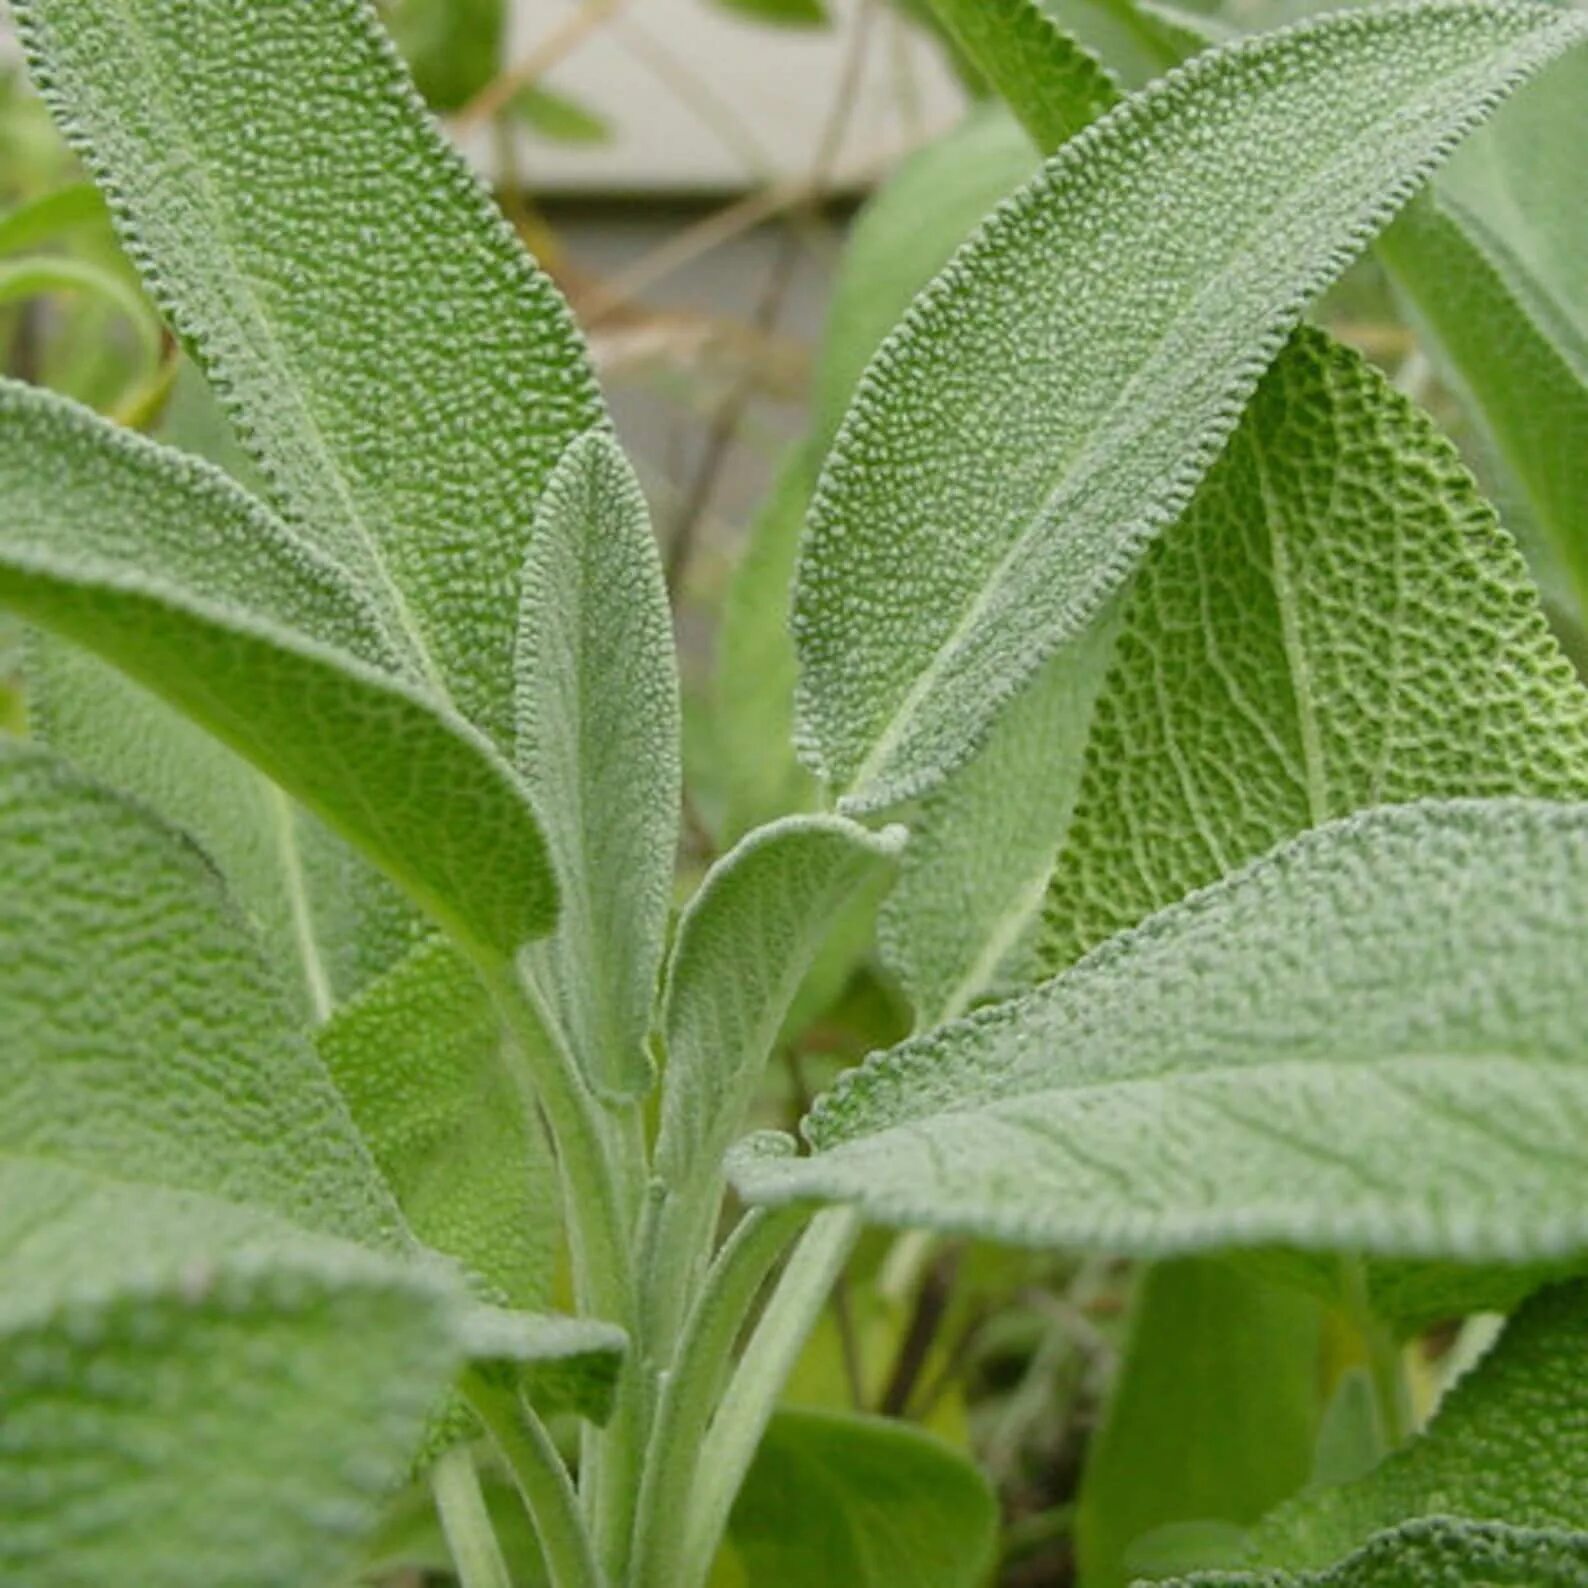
(201, 1256)
(1490, 260)
(414, 469)
(1336, 622)
(1051, 401)
(1192, 1084)
(598, 748)
(430, 613)
(1490, 1494)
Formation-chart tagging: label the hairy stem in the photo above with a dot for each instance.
(466, 1523)
(689, 1392)
(747, 1404)
(541, 1479)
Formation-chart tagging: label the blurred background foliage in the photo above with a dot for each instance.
(730, 327)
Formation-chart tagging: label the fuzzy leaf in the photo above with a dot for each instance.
(327, 920)
(145, 1039)
(452, 47)
(744, 945)
(1491, 1494)
(904, 234)
(1337, 621)
(979, 508)
(1054, 84)
(1370, 1040)
(418, 1056)
(175, 575)
(598, 748)
(195, 1395)
(1490, 261)
(404, 375)
(877, 1502)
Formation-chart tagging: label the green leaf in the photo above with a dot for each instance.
(862, 1501)
(180, 579)
(1147, 277)
(453, 47)
(1054, 84)
(1336, 621)
(743, 947)
(784, 13)
(46, 218)
(964, 917)
(1491, 1494)
(404, 375)
(1137, 41)
(559, 118)
(1213, 1416)
(418, 1057)
(327, 920)
(903, 235)
(146, 1040)
(1369, 1040)
(1490, 262)
(598, 748)
(193, 1397)
(754, 684)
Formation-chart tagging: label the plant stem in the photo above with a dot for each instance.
(466, 1522)
(541, 1479)
(689, 1392)
(1385, 1364)
(768, 1359)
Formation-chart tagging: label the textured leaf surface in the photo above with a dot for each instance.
(1053, 398)
(418, 1058)
(1369, 1040)
(965, 915)
(175, 575)
(598, 748)
(903, 235)
(1337, 621)
(327, 920)
(1053, 83)
(1491, 1494)
(1212, 1418)
(194, 1395)
(1491, 261)
(744, 945)
(862, 1501)
(404, 375)
(145, 1040)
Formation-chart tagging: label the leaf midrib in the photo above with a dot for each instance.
(1074, 464)
(267, 343)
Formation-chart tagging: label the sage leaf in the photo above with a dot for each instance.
(452, 47)
(145, 1038)
(981, 505)
(1490, 1494)
(1337, 621)
(1053, 83)
(903, 235)
(598, 748)
(1231, 1363)
(401, 371)
(418, 1057)
(1367, 1041)
(169, 571)
(194, 1396)
(744, 945)
(1490, 263)
(879, 1503)
(328, 921)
